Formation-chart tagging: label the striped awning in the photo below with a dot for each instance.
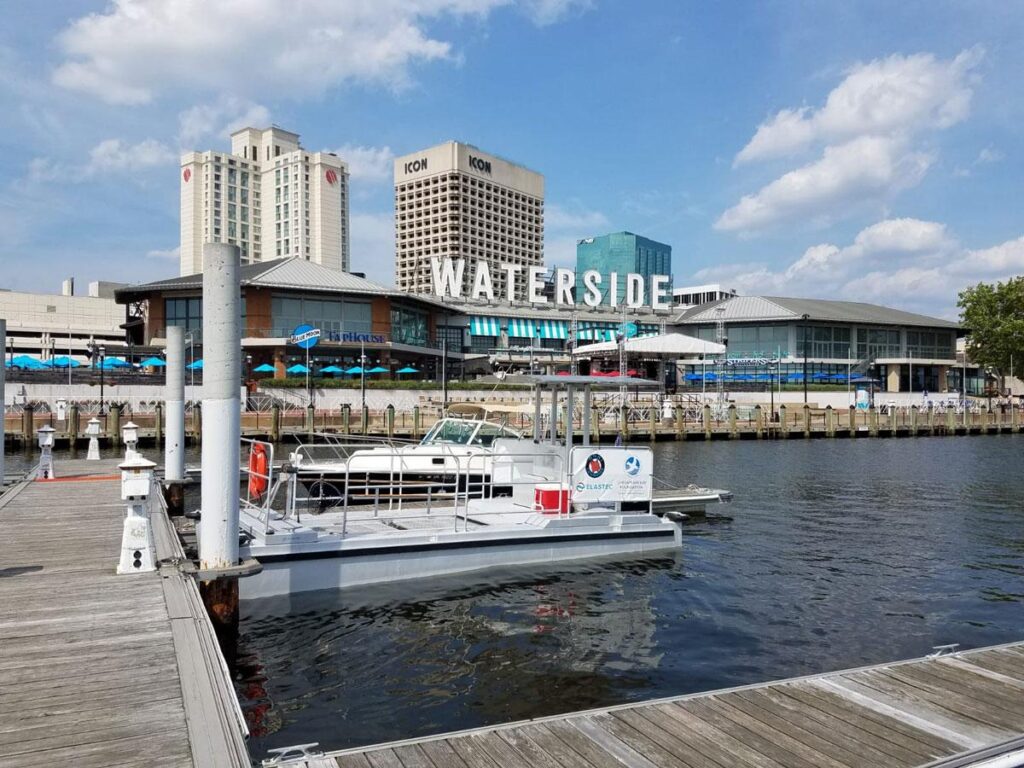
(553, 329)
(590, 330)
(484, 326)
(523, 329)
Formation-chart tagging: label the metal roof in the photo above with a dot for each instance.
(670, 345)
(292, 273)
(775, 308)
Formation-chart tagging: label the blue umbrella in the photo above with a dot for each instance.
(354, 369)
(115, 362)
(194, 365)
(407, 369)
(265, 368)
(65, 362)
(378, 369)
(153, 362)
(24, 361)
(331, 369)
(693, 377)
(297, 368)
(821, 375)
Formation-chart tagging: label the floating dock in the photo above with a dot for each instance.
(923, 712)
(98, 669)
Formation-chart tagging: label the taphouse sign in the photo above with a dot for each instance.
(449, 275)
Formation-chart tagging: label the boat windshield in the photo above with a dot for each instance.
(466, 432)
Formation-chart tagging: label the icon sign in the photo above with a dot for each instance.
(305, 336)
(632, 465)
(595, 465)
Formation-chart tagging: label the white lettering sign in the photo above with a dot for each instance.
(449, 275)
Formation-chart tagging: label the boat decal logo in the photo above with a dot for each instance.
(632, 465)
(595, 465)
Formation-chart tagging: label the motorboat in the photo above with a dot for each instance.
(454, 455)
(561, 502)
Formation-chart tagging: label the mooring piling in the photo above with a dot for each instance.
(174, 444)
(218, 527)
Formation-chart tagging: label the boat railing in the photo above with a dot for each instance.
(544, 467)
(399, 497)
(327, 446)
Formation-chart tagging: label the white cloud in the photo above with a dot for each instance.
(111, 156)
(989, 155)
(219, 119)
(369, 164)
(546, 12)
(170, 254)
(868, 130)
(864, 169)
(118, 155)
(137, 49)
(899, 95)
(905, 262)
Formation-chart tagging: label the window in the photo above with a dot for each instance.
(408, 326)
(185, 313)
(331, 316)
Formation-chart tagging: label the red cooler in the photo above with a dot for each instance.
(551, 498)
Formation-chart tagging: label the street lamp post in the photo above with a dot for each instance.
(103, 354)
(362, 374)
(805, 318)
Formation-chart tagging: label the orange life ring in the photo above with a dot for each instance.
(258, 473)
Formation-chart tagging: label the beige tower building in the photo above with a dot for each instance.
(269, 196)
(457, 201)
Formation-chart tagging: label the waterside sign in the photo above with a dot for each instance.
(449, 274)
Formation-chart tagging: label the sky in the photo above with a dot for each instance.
(866, 151)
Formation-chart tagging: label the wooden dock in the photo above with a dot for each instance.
(923, 712)
(98, 669)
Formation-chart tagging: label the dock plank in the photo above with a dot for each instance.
(95, 670)
(906, 714)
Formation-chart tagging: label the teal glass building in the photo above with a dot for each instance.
(622, 253)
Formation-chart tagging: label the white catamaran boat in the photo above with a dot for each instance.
(561, 502)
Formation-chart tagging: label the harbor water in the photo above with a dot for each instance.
(834, 553)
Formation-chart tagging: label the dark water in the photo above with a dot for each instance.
(833, 554)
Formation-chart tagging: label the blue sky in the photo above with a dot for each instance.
(866, 151)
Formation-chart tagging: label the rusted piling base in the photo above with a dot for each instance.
(174, 496)
(220, 597)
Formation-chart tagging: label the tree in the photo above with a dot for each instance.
(994, 317)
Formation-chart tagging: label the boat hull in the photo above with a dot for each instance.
(353, 563)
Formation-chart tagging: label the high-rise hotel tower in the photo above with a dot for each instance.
(457, 201)
(269, 196)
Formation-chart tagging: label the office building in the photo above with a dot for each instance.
(270, 197)
(457, 201)
(621, 253)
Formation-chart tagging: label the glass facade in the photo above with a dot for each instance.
(185, 313)
(622, 253)
(329, 315)
(409, 326)
(933, 345)
(824, 341)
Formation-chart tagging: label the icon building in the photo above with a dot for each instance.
(457, 201)
(268, 196)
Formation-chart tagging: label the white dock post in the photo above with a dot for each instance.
(3, 363)
(174, 441)
(221, 436)
(92, 429)
(218, 541)
(138, 552)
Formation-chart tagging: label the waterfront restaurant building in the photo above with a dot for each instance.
(768, 337)
(352, 313)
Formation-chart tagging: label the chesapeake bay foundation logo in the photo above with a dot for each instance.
(632, 465)
(595, 465)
